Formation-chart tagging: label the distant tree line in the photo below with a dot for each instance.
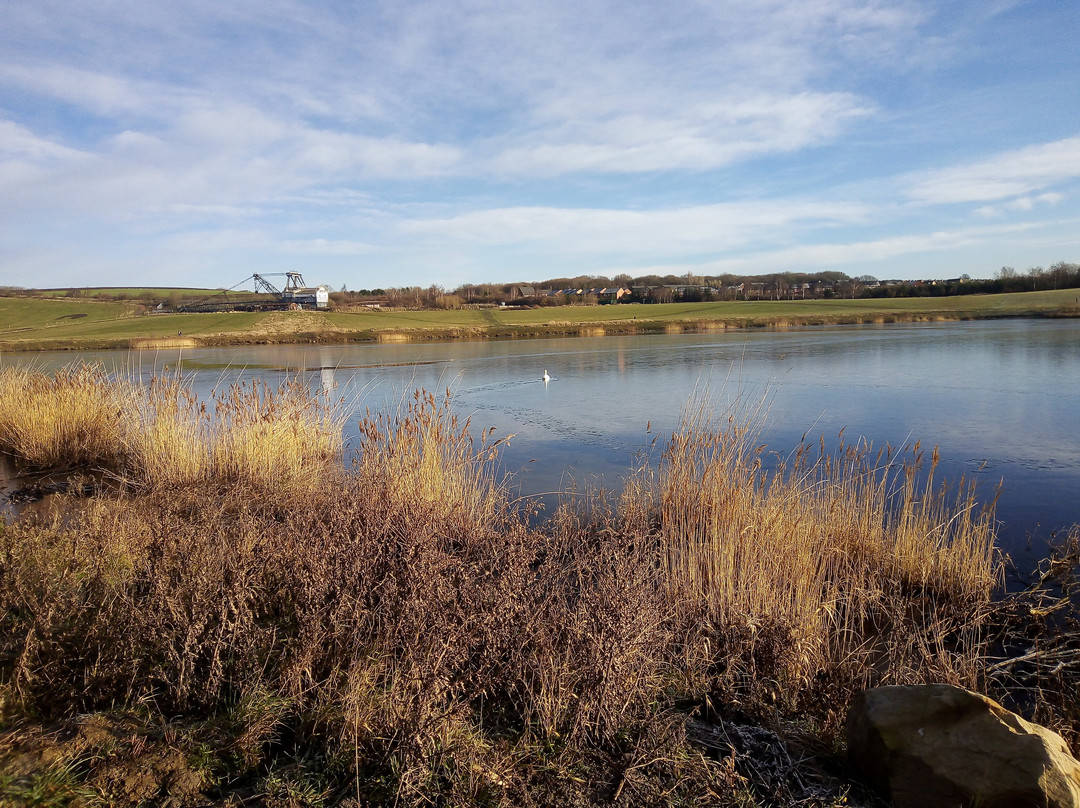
(1061, 275)
(582, 289)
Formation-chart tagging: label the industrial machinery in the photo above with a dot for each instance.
(266, 296)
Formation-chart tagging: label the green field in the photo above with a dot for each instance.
(140, 292)
(31, 323)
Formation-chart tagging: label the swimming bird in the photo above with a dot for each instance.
(545, 377)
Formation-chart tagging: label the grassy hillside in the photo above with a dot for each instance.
(58, 324)
(126, 292)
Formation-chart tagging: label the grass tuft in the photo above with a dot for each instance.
(72, 418)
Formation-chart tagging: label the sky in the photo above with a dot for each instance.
(374, 144)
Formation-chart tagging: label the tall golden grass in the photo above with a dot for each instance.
(821, 553)
(71, 418)
(425, 458)
(169, 434)
(161, 434)
(275, 438)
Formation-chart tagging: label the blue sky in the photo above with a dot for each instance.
(375, 144)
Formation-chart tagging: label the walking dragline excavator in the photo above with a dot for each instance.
(266, 296)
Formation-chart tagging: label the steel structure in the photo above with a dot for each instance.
(230, 300)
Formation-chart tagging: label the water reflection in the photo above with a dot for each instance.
(998, 397)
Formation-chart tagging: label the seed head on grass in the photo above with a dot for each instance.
(807, 560)
(74, 417)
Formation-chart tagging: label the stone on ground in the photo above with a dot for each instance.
(927, 746)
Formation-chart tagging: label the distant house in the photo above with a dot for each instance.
(522, 291)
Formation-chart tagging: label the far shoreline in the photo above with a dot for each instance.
(39, 325)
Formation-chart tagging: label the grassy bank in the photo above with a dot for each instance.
(240, 618)
(64, 324)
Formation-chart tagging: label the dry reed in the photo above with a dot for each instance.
(818, 556)
(275, 439)
(169, 435)
(423, 457)
(161, 434)
(73, 417)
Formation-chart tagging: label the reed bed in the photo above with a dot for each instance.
(169, 436)
(422, 456)
(74, 417)
(161, 434)
(819, 559)
(281, 439)
(403, 625)
(275, 439)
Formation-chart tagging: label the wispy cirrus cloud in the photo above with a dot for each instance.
(682, 230)
(867, 254)
(1011, 173)
(698, 137)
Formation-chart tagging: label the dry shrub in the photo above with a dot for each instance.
(402, 616)
(594, 651)
(131, 599)
(73, 417)
(1035, 667)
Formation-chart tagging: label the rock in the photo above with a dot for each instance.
(932, 746)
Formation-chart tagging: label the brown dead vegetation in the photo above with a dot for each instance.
(395, 632)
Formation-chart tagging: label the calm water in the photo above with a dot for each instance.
(1000, 398)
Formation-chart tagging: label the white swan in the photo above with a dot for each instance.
(545, 377)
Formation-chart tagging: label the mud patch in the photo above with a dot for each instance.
(118, 759)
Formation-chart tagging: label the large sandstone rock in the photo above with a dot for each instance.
(937, 745)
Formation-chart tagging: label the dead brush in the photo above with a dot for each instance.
(74, 417)
(595, 649)
(404, 618)
(133, 598)
(1035, 640)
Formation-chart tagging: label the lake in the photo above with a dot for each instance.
(1001, 399)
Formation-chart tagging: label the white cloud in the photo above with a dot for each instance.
(678, 230)
(1011, 174)
(322, 246)
(699, 136)
(861, 253)
(1022, 204)
(614, 132)
(99, 92)
(19, 143)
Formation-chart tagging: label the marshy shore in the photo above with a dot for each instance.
(236, 616)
